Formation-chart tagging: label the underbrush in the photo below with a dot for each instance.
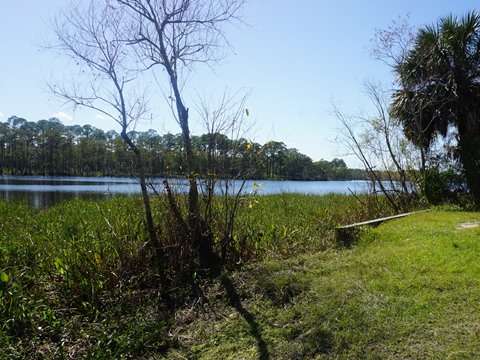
(79, 281)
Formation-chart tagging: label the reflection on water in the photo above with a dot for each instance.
(42, 192)
(44, 199)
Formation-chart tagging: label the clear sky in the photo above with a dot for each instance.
(295, 56)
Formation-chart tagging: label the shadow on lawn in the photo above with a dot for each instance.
(248, 317)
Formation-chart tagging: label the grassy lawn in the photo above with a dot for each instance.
(409, 290)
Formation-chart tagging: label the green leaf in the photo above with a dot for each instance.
(4, 277)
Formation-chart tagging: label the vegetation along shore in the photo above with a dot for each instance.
(75, 282)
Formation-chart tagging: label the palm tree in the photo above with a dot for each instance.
(440, 87)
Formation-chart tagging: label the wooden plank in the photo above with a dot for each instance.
(375, 221)
(346, 235)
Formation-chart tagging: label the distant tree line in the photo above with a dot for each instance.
(48, 147)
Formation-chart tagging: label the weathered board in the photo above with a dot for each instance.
(346, 234)
(375, 221)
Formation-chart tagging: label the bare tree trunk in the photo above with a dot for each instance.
(199, 234)
(152, 232)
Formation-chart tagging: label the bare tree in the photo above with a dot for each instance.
(393, 152)
(379, 143)
(175, 35)
(93, 38)
(227, 170)
(223, 121)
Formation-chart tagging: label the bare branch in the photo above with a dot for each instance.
(176, 33)
(391, 45)
(93, 37)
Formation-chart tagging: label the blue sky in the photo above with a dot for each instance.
(294, 56)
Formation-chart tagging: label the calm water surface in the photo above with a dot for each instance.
(40, 191)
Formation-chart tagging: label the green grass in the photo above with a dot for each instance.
(74, 282)
(75, 278)
(410, 289)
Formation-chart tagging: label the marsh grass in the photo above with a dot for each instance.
(293, 223)
(77, 280)
(66, 267)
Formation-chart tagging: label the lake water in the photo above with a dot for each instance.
(42, 192)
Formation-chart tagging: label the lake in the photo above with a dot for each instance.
(42, 191)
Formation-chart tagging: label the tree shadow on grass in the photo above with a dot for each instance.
(248, 317)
